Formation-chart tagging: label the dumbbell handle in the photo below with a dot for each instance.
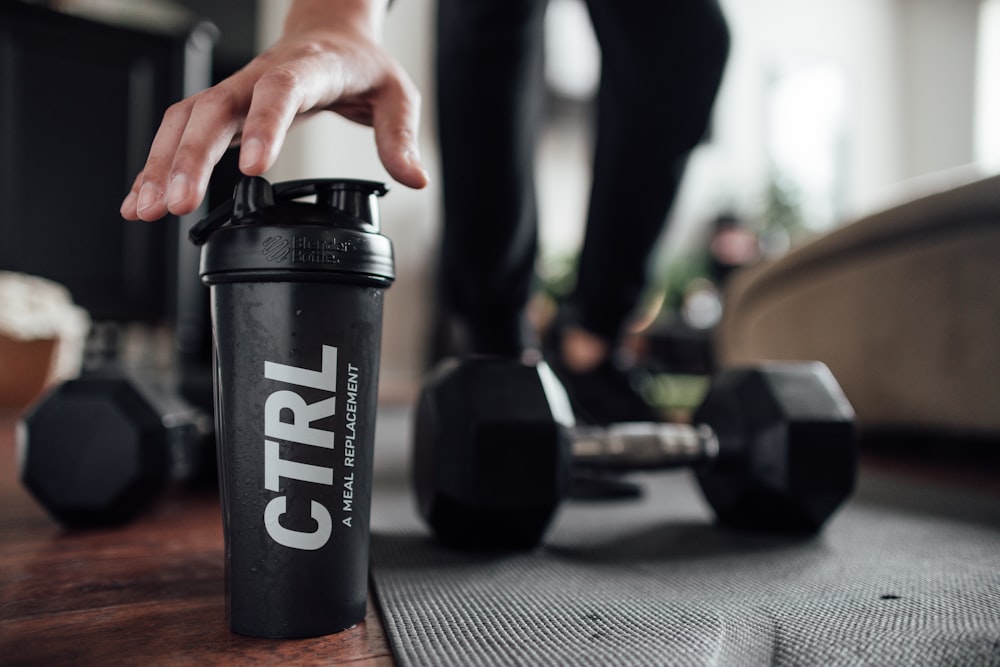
(643, 446)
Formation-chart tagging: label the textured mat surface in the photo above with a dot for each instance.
(902, 576)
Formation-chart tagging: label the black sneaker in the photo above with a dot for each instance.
(609, 393)
(606, 394)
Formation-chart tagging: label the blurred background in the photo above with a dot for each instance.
(829, 110)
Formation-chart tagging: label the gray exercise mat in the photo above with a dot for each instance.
(902, 576)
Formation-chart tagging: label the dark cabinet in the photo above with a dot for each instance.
(80, 100)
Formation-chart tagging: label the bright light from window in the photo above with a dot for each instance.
(987, 137)
(572, 56)
(806, 124)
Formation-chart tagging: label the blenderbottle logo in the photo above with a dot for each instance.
(275, 249)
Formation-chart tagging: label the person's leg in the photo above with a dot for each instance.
(489, 76)
(662, 64)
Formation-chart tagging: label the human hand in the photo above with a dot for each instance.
(317, 65)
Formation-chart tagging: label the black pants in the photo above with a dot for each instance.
(662, 61)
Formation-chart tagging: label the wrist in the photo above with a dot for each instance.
(364, 17)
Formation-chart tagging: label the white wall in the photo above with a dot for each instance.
(938, 80)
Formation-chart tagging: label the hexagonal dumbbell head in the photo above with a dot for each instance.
(491, 464)
(93, 452)
(787, 446)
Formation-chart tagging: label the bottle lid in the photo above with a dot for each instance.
(266, 233)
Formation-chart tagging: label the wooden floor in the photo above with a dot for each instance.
(147, 593)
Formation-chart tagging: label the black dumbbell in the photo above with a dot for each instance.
(97, 450)
(774, 447)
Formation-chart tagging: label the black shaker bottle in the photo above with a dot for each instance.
(297, 294)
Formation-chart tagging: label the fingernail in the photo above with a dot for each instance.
(128, 204)
(147, 196)
(413, 157)
(251, 153)
(177, 190)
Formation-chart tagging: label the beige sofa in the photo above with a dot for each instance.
(903, 305)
